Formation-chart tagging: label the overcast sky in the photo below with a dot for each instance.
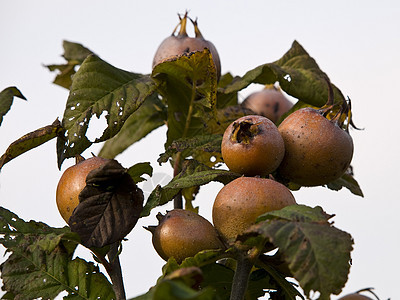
(357, 43)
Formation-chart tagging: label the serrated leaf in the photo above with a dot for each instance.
(37, 274)
(348, 181)
(317, 253)
(188, 83)
(139, 169)
(99, 87)
(298, 75)
(31, 140)
(41, 265)
(193, 174)
(149, 116)
(109, 206)
(6, 99)
(75, 54)
(298, 213)
(15, 232)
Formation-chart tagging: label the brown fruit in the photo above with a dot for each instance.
(252, 145)
(270, 103)
(181, 43)
(240, 202)
(72, 182)
(317, 150)
(355, 296)
(183, 233)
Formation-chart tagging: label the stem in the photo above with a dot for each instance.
(178, 202)
(116, 272)
(241, 277)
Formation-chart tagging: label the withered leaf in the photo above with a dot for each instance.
(109, 206)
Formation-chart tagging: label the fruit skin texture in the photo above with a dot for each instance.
(72, 182)
(240, 202)
(270, 103)
(317, 150)
(252, 145)
(183, 233)
(355, 296)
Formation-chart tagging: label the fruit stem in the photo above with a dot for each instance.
(115, 272)
(178, 202)
(241, 277)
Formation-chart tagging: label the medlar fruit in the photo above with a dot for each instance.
(317, 150)
(72, 182)
(240, 202)
(269, 102)
(183, 233)
(181, 43)
(252, 145)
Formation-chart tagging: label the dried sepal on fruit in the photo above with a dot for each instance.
(318, 146)
(176, 45)
(182, 233)
(252, 145)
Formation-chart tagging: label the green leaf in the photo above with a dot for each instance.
(193, 174)
(31, 140)
(298, 75)
(203, 143)
(137, 170)
(6, 99)
(98, 87)
(75, 54)
(41, 264)
(150, 116)
(176, 290)
(317, 254)
(188, 83)
(298, 213)
(348, 181)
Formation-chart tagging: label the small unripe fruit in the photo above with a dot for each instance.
(72, 182)
(240, 202)
(252, 145)
(270, 103)
(317, 150)
(183, 233)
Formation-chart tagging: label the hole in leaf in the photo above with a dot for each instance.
(97, 127)
(287, 78)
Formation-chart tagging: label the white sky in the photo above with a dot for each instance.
(356, 43)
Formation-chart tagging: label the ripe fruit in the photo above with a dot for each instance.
(355, 296)
(181, 43)
(270, 103)
(252, 145)
(72, 182)
(183, 233)
(317, 150)
(240, 202)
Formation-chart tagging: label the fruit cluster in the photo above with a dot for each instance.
(310, 147)
(307, 149)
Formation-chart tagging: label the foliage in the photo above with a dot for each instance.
(183, 94)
